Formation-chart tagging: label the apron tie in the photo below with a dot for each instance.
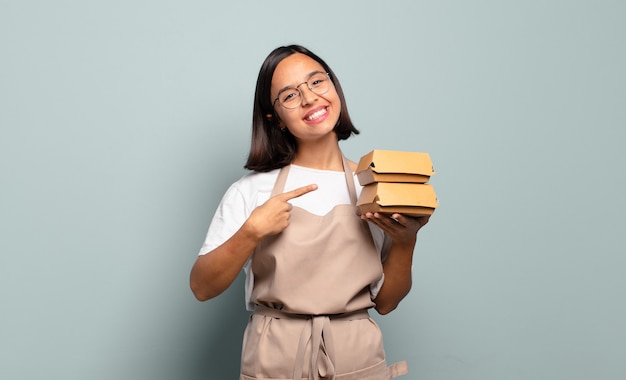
(318, 332)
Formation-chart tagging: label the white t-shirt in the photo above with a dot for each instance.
(253, 189)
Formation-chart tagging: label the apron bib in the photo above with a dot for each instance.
(312, 291)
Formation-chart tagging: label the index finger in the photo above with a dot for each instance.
(298, 192)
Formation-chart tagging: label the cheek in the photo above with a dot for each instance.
(285, 119)
(282, 115)
(335, 100)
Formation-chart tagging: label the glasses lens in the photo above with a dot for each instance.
(290, 97)
(318, 83)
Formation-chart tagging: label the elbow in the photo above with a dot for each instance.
(200, 287)
(385, 309)
(390, 301)
(200, 292)
(200, 296)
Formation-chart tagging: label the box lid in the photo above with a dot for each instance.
(391, 161)
(399, 194)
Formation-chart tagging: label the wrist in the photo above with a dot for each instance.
(404, 245)
(251, 233)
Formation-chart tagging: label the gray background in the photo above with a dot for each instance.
(123, 122)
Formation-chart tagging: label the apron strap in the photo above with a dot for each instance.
(397, 369)
(279, 185)
(349, 180)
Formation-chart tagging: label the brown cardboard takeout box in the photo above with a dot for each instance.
(413, 199)
(394, 166)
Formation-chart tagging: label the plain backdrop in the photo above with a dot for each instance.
(123, 123)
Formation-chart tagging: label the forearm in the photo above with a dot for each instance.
(397, 267)
(398, 278)
(213, 272)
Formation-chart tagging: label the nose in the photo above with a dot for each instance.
(308, 96)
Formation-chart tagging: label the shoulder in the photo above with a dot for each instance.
(252, 189)
(256, 181)
(353, 165)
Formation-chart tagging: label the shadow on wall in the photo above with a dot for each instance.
(217, 343)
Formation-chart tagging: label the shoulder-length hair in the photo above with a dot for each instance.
(270, 147)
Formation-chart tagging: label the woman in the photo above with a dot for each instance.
(313, 266)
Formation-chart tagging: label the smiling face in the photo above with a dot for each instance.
(316, 115)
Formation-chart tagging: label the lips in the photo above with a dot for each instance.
(317, 114)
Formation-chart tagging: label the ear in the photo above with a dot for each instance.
(275, 121)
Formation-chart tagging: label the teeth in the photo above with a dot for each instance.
(316, 114)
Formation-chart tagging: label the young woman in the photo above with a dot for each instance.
(313, 265)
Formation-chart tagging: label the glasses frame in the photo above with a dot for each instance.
(300, 92)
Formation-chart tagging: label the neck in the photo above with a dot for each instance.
(320, 156)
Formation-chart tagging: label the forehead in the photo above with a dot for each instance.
(294, 69)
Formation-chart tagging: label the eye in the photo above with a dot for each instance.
(288, 95)
(318, 80)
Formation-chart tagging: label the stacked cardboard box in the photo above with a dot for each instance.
(396, 182)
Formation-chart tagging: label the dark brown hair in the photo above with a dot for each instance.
(272, 148)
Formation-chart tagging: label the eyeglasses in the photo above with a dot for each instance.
(291, 97)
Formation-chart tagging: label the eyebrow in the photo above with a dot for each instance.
(307, 78)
